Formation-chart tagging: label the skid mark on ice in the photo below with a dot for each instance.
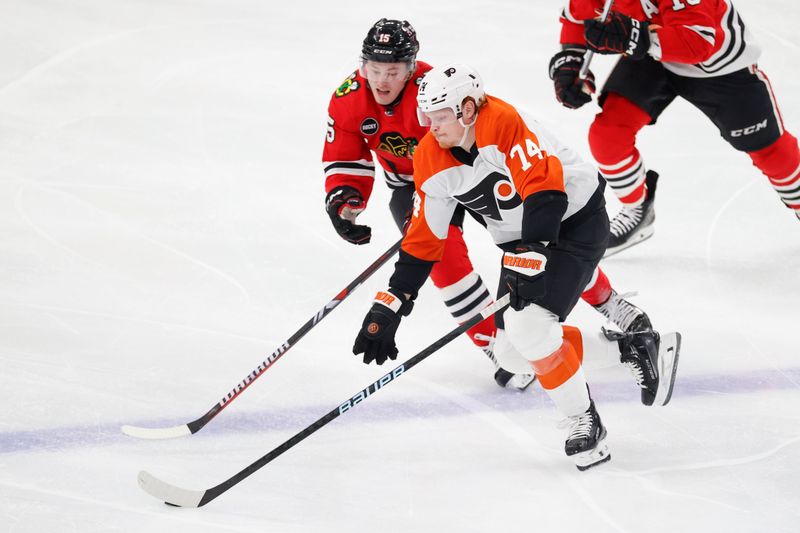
(657, 488)
(720, 463)
(162, 323)
(294, 419)
(166, 512)
(723, 295)
(784, 42)
(22, 212)
(525, 441)
(65, 55)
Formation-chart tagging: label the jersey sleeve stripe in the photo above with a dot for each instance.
(350, 172)
(566, 14)
(396, 180)
(362, 164)
(732, 47)
(705, 32)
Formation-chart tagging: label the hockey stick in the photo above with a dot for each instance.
(587, 57)
(197, 425)
(180, 497)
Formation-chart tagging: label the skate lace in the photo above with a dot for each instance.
(489, 348)
(489, 339)
(626, 219)
(579, 426)
(636, 371)
(619, 311)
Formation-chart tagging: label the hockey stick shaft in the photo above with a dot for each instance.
(587, 57)
(192, 498)
(197, 425)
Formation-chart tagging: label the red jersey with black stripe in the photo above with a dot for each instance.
(358, 127)
(694, 38)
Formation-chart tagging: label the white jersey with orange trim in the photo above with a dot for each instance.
(514, 157)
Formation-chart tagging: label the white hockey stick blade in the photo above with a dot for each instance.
(167, 493)
(157, 433)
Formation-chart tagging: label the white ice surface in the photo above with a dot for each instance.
(162, 231)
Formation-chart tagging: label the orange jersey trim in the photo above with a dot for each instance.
(532, 168)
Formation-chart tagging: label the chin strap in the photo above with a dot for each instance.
(467, 127)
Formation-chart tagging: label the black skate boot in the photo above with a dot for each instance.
(503, 377)
(586, 440)
(624, 314)
(632, 225)
(653, 361)
(506, 379)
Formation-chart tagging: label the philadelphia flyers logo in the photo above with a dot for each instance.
(493, 194)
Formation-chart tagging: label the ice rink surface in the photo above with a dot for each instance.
(162, 231)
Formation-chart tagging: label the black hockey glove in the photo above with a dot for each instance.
(343, 205)
(376, 338)
(524, 272)
(571, 91)
(618, 34)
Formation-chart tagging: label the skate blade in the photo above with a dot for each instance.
(669, 351)
(597, 456)
(521, 381)
(641, 235)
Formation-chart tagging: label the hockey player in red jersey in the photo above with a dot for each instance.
(374, 112)
(699, 50)
(544, 207)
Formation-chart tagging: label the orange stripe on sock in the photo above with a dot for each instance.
(573, 336)
(555, 369)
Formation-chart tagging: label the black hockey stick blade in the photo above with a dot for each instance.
(180, 497)
(196, 425)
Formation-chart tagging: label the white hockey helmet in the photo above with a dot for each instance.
(447, 87)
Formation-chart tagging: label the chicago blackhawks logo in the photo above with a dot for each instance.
(493, 194)
(397, 145)
(349, 85)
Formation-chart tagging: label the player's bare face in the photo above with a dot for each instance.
(386, 80)
(445, 127)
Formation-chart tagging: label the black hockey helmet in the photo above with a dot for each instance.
(390, 41)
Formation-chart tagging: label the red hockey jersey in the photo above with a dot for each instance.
(695, 38)
(358, 125)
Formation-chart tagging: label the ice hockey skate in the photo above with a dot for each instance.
(624, 314)
(508, 380)
(586, 440)
(653, 361)
(633, 225)
(504, 378)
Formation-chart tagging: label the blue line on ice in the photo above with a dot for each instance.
(294, 419)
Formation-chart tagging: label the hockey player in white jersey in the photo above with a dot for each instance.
(544, 208)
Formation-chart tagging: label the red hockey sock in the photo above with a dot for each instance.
(482, 334)
(780, 162)
(455, 264)
(612, 139)
(598, 290)
(463, 291)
